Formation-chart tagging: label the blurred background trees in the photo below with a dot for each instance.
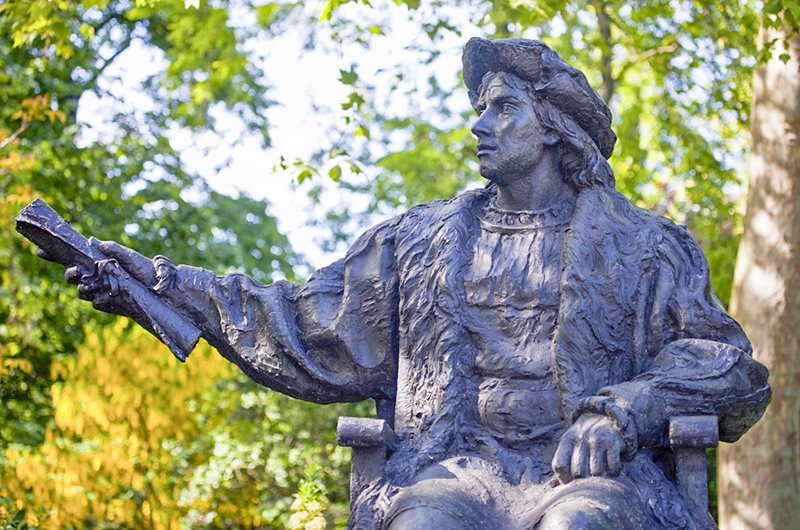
(98, 421)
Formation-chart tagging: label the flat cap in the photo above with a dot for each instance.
(563, 85)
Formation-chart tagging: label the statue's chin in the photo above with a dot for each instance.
(501, 179)
(492, 174)
(501, 174)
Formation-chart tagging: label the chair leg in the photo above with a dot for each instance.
(366, 468)
(691, 474)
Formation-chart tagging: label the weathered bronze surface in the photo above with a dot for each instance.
(530, 343)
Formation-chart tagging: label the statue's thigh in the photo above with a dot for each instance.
(449, 496)
(595, 503)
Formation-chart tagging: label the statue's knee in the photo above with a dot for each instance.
(575, 516)
(425, 518)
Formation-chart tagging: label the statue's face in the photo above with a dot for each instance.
(511, 139)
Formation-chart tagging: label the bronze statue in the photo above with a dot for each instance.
(528, 342)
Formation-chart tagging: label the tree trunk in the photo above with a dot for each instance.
(759, 477)
(604, 23)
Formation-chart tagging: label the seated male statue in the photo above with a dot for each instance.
(528, 341)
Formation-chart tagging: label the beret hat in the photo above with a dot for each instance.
(563, 85)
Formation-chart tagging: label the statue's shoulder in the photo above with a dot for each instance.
(467, 200)
(602, 211)
(423, 221)
(434, 213)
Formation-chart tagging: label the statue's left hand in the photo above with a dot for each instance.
(103, 285)
(139, 267)
(592, 446)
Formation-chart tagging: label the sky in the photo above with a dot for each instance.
(305, 82)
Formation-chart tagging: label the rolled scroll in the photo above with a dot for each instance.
(58, 241)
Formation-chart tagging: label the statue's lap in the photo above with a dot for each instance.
(467, 493)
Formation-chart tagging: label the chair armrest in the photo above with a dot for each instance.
(364, 432)
(694, 431)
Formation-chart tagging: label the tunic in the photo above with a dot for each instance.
(512, 296)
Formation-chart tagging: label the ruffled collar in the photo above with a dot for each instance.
(556, 214)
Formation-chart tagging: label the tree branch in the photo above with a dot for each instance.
(645, 55)
(15, 134)
(655, 51)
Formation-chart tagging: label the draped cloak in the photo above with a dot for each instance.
(637, 326)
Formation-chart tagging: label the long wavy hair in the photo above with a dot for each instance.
(581, 164)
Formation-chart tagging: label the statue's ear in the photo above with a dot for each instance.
(551, 138)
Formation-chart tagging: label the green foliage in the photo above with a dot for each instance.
(433, 164)
(131, 187)
(782, 15)
(310, 503)
(713, 497)
(57, 418)
(246, 465)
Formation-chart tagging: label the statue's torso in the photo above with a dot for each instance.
(512, 295)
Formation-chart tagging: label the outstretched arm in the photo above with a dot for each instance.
(332, 339)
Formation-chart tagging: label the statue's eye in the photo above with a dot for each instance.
(507, 107)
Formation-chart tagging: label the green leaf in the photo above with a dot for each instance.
(348, 77)
(353, 100)
(335, 173)
(362, 131)
(303, 175)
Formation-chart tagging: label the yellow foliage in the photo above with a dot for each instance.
(14, 162)
(11, 204)
(12, 363)
(117, 402)
(37, 108)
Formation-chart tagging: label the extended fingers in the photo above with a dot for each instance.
(580, 458)
(73, 275)
(42, 253)
(591, 447)
(562, 461)
(127, 257)
(615, 458)
(112, 249)
(598, 457)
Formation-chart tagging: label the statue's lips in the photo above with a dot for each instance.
(484, 149)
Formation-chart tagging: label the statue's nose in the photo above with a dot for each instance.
(481, 129)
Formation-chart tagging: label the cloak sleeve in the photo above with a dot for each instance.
(332, 339)
(699, 359)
